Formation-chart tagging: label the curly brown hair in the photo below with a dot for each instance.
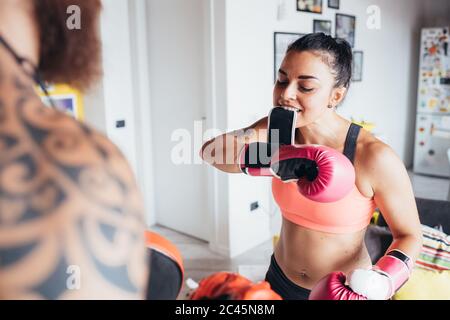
(69, 56)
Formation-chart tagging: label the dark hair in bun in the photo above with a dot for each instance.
(336, 53)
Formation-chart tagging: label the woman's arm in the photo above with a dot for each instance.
(223, 151)
(394, 197)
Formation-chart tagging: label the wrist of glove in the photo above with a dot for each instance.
(255, 158)
(286, 162)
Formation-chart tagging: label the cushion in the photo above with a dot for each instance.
(435, 253)
(430, 279)
(425, 285)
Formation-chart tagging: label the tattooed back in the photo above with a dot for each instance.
(71, 217)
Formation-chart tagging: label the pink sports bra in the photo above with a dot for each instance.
(350, 214)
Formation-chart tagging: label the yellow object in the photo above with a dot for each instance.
(275, 240)
(376, 215)
(432, 103)
(425, 285)
(369, 126)
(66, 99)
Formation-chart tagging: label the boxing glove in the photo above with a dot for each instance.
(323, 174)
(332, 287)
(388, 275)
(378, 283)
(232, 286)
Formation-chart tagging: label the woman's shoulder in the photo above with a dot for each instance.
(373, 148)
(373, 155)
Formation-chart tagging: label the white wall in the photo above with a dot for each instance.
(94, 110)
(117, 94)
(216, 111)
(112, 99)
(117, 80)
(249, 34)
(177, 61)
(142, 103)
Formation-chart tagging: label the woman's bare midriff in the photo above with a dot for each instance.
(306, 256)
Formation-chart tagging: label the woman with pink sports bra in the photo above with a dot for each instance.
(328, 176)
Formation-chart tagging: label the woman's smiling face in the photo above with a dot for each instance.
(307, 83)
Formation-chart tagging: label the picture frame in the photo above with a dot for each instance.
(281, 42)
(311, 6)
(357, 66)
(334, 4)
(322, 26)
(345, 26)
(65, 99)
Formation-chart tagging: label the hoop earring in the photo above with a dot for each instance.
(330, 106)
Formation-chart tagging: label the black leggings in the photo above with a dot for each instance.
(287, 289)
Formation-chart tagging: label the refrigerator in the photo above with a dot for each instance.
(432, 138)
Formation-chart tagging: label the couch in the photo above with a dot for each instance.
(432, 213)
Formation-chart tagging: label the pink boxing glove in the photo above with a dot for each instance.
(332, 287)
(323, 174)
(385, 278)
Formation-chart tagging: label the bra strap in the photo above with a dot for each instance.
(350, 141)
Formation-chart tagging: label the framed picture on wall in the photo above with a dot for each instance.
(322, 26)
(333, 4)
(313, 6)
(345, 27)
(357, 68)
(65, 99)
(281, 42)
